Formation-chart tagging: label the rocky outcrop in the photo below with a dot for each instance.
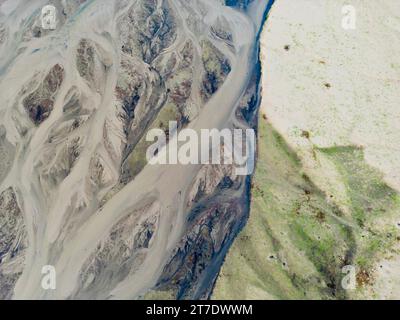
(7, 153)
(39, 104)
(147, 29)
(216, 67)
(120, 254)
(212, 224)
(13, 242)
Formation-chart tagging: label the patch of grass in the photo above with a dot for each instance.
(373, 202)
(137, 159)
(303, 230)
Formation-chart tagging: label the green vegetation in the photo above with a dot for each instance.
(159, 295)
(298, 238)
(137, 159)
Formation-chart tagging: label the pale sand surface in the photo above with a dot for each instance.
(362, 67)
